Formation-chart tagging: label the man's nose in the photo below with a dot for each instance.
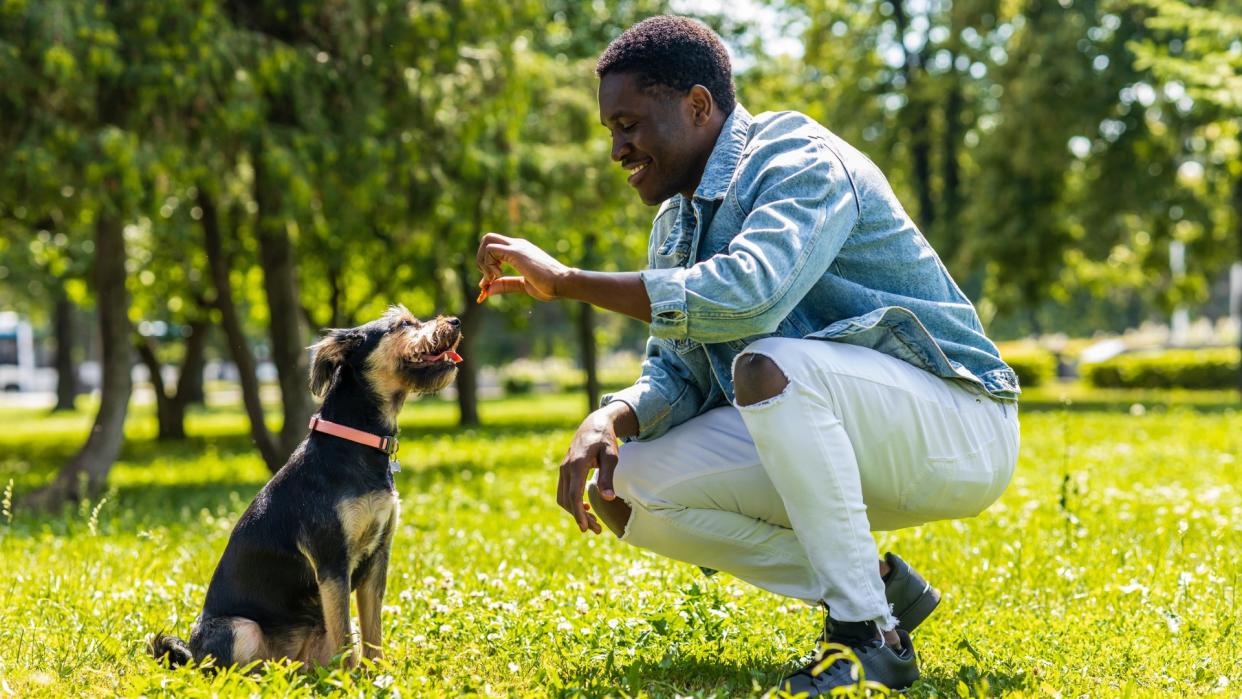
(620, 146)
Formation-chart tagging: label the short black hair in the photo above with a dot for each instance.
(672, 52)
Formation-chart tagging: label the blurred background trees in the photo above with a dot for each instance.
(215, 179)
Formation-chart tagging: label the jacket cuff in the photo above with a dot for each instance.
(667, 290)
(650, 407)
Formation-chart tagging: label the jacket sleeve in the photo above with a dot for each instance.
(799, 206)
(666, 394)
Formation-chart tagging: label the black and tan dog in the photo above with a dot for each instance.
(323, 525)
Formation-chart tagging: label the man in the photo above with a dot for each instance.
(813, 372)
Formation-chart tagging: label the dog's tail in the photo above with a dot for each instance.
(169, 651)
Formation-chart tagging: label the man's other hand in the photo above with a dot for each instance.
(594, 446)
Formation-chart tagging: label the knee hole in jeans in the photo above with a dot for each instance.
(756, 378)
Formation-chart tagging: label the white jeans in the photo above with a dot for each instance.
(784, 494)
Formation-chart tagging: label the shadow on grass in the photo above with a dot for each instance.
(165, 503)
(34, 461)
(681, 676)
(672, 676)
(979, 683)
(409, 433)
(175, 499)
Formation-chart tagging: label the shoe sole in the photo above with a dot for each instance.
(909, 618)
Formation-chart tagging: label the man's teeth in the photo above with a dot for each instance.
(637, 169)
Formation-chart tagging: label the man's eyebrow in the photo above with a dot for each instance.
(615, 116)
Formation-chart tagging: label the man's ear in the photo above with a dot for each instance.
(702, 106)
(330, 353)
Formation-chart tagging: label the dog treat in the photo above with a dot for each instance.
(482, 295)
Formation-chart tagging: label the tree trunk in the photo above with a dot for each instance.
(950, 170)
(335, 297)
(88, 470)
(468, 373)
(280, 282)
(170, 408)
(190, 380)
(915, 114)
(471, 321)
(1237, 218)
(171, 425)
(239, 349)
(586, 332)
(586, 341)
(66, 372)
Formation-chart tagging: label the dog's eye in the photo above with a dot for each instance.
(406, 324)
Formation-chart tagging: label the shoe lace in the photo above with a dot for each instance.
(836, 663)
(838, 654)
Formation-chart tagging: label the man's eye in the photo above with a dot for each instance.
(629, 127)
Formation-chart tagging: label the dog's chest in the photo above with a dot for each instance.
(364, 519)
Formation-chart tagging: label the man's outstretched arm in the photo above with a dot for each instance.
(623, 292)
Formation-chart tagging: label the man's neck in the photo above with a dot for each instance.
(709, 148)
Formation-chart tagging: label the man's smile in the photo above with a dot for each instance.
(636, 169)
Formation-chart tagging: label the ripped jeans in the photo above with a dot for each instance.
(784, 493)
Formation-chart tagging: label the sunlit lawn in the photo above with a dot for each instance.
(1109, 567)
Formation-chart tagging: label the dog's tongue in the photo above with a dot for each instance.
(446, 354)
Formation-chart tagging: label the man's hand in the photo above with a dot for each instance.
(539, 272)
(594, 446)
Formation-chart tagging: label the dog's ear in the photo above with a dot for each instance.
(330, 353)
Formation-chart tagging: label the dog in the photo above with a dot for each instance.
(322, 527)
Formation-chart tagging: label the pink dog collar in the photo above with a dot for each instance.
(388, 445)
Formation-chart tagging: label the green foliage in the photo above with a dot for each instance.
(1104, 553)
(1048, 151)
(1204, 56)
(560, 375)
(1035, 366)
(1191, 369)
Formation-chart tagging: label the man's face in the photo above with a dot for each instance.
(654, 136)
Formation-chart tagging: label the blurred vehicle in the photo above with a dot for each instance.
(18, 368)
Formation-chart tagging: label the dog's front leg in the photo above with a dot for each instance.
(371, 596)
(334, 596)
(329, 560)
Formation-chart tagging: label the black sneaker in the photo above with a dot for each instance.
(912, 598)
(895, 669)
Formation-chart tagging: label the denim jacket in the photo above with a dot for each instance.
(792, 232)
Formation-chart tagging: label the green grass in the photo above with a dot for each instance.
(1108, 568)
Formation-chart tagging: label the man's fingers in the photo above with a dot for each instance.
(577, 484)
(573, 476)
(485, 242)
(491, 257)
(562, 485)
(607, 465)
(506, 285)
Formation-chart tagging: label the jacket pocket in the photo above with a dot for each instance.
(683, 347)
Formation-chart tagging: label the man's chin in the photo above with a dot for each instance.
(653, 199)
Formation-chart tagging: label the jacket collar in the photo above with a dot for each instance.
(718, 173)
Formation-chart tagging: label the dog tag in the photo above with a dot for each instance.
(394, 465)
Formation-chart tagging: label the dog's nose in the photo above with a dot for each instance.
(453, 322)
